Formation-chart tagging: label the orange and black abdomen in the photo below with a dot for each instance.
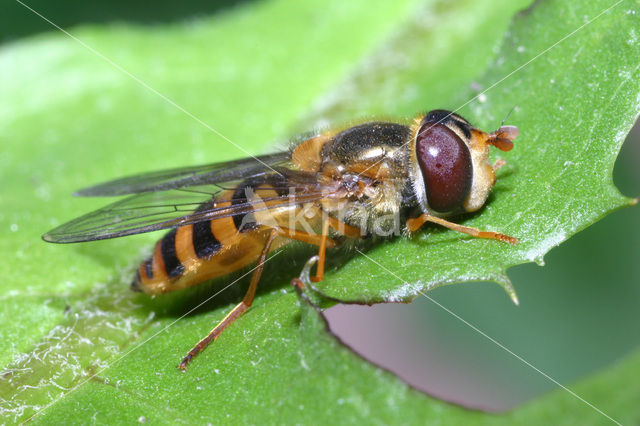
(191, 254)
(165, 266)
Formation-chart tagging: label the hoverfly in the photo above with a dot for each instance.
(336, 185)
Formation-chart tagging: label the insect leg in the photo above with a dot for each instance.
(305, 237)
(323, 242)
(415, 223)
(343, 228)
(321, 253)
(235, 312)
(499, 163)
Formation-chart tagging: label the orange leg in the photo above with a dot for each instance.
(320, 240)
(343, 228)
(235, 312)
(323, 241)
(305, 237)
(415, 223)
(321, 253)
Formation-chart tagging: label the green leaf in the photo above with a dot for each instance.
(574, 106)
(70, 119)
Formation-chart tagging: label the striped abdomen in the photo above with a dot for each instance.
(191, 254)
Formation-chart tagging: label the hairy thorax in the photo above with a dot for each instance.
(370, 161)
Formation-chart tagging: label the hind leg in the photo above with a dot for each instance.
(238, 310)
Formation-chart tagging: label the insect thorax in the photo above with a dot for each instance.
(370, 160)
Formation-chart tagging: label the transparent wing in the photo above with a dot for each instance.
(162, 209)
(188, 176)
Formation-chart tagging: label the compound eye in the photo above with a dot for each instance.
(446, 166)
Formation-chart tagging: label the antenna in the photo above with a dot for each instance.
(508, 114)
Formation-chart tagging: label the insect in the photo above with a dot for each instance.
(328, 189)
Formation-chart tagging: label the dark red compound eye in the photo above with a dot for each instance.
(446, 166)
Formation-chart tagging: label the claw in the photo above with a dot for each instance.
(304, 280)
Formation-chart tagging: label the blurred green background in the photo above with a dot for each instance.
(585, 301)
(16, 21)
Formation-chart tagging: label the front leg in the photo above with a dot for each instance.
(414, 224)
